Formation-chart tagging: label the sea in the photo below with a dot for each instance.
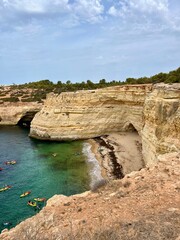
(42, 167)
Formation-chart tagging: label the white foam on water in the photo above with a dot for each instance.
(95, 169)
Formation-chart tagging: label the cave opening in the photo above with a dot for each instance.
(26, 119)
(130, 128)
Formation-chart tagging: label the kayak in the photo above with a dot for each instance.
(39, 199)
(32, 204)
(5, 188)
(1, 169)
(10, 162)
(6, 224)
(25, 194)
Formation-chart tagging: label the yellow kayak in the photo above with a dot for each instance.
(5, 188)
(11, 162)
(32, 204)
(39, 199)
(25, 194)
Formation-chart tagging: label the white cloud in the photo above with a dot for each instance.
(146, 14)
(21, 15)
(149, 5)
(36, 6)
(45, 38)
(113, 11)
(90, 10)
(16, 14)
(145, 6)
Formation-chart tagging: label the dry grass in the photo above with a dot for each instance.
(165, 226)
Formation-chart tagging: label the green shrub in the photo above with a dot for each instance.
(28, 99)
(25, 96)
(32, 99)
(11, 99)
(2, 94)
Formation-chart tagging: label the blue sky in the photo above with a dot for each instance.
(79, 40)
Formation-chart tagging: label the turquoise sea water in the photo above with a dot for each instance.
(44, 168)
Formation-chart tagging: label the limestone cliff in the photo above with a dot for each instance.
(161, 131)
(87, 114)
(152, 111)
(12, 113)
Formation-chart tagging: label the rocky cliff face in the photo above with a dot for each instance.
(12, 113)
(87, 114)
(161, 131)
(152, 111)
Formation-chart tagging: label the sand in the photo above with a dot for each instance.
(118, 153)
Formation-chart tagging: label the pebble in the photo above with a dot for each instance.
(67, 204)
(79, 209)
(173, 209)
(112, 194)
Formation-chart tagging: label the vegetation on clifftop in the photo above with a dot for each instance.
(171, 77)
(36, 91)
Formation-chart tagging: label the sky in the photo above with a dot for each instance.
(81, 40)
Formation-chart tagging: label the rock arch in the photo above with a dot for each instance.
(26, 119)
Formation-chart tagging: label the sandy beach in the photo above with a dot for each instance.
(118, 154)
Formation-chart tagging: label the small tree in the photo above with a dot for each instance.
(68, 82)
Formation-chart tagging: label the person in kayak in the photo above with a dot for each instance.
(32, 204)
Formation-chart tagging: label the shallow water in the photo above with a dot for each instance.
(44, 168)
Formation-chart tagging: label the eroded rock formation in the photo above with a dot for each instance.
(152, 111)
(87, 114)
(161, 130)
(12, 113)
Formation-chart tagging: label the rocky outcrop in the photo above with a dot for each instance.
(161, 131)
(152, 111)
(87, 114)
(12, 113)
